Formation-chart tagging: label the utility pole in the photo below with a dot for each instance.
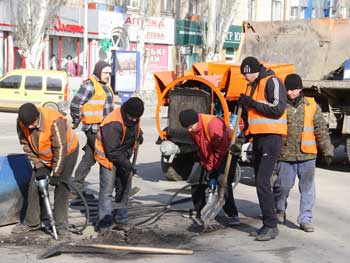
(85, 66)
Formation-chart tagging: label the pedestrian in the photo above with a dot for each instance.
(264, 102)
(91, 104)
(53, 62)
(211, 137)
(115, 142)
(70, 66)
(52, 147)
(307, 132)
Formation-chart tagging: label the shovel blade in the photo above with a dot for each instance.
(212, 208)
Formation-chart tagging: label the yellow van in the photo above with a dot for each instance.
(47, 88)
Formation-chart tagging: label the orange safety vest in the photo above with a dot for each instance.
(308, 138)
(44, 150)
(92, 110)
(114, 116)
(206, 118)
(259, 123)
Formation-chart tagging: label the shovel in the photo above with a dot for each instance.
(217, 200)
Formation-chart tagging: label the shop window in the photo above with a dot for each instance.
(33, 83)
(167, 6)
(134, 4)
(53, 84)
(11, 82)
(276, 10)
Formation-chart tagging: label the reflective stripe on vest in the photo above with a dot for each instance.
(92, 110)
(206, 118)
(44, 148)
(100, 156)
(259, 123)
(308, 138)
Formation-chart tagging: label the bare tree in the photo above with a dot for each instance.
(220, 15)
(33, 19)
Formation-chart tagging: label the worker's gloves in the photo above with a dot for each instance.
(55, 180)
(328, 160)
(42, 172)
(246, 101)
(236, 149)
(140, 139)
(75, 124)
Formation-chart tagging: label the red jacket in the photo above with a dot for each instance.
(214, 152)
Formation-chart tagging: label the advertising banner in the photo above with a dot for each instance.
(127, 71)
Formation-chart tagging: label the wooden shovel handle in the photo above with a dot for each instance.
(141, 249)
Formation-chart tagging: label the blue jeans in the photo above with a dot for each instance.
(109, 181)
(287, 172)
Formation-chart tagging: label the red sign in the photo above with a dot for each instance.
(68, 27)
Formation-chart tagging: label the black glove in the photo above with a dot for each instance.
(140, 139)
(42, 172)
(75, 124)
(236, 149)
(246, 101)
(55, 180)
(213, 174)
(328, 159)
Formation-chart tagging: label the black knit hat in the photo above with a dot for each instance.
(188, 117)
(134, 107)
(99, 67)
(28, 113)
(293, 81)
(250, 65)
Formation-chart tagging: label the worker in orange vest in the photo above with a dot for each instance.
(307, 137)
(211, 137)
(52, 147)
(115, 142)
(265, 103)
(92, 103)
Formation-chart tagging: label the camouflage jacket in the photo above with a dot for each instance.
(291, 147)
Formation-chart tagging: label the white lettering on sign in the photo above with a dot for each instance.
(233, 36)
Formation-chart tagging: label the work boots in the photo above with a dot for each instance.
(307, 227)
(266, 233)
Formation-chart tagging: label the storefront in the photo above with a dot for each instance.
(232, 41)
(154, 38)
(189, 38)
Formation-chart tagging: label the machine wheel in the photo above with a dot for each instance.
(347, 148)
(180, 169)
(51, 105)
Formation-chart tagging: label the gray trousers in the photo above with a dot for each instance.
(109, 180)
(287, 172)
(35, 206)
(87, 161)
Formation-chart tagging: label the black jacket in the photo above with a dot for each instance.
(275, 94)
(116, 152)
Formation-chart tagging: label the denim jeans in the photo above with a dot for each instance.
(110, 179)
(287, 172)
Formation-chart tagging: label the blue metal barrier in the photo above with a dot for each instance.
(15, 174)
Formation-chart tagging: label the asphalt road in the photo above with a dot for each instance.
(329, 243)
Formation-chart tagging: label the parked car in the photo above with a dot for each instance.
(47, 88)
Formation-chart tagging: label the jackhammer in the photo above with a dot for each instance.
(43, 189)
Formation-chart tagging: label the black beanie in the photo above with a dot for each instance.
(188, 117)
(134, 107)
(99, 67)
(28, 113)
(250, 65)
(293, 81)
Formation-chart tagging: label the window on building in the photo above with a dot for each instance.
(33, 83)
(53, 84)
(251, 10)
(167, 6)
(276, 13)
(134, 4)
(11, 82)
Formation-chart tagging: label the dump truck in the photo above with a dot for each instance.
(320, 50)
(210, 88)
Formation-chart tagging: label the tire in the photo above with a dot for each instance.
(347, 148)
(180, 169)
(51, 105)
